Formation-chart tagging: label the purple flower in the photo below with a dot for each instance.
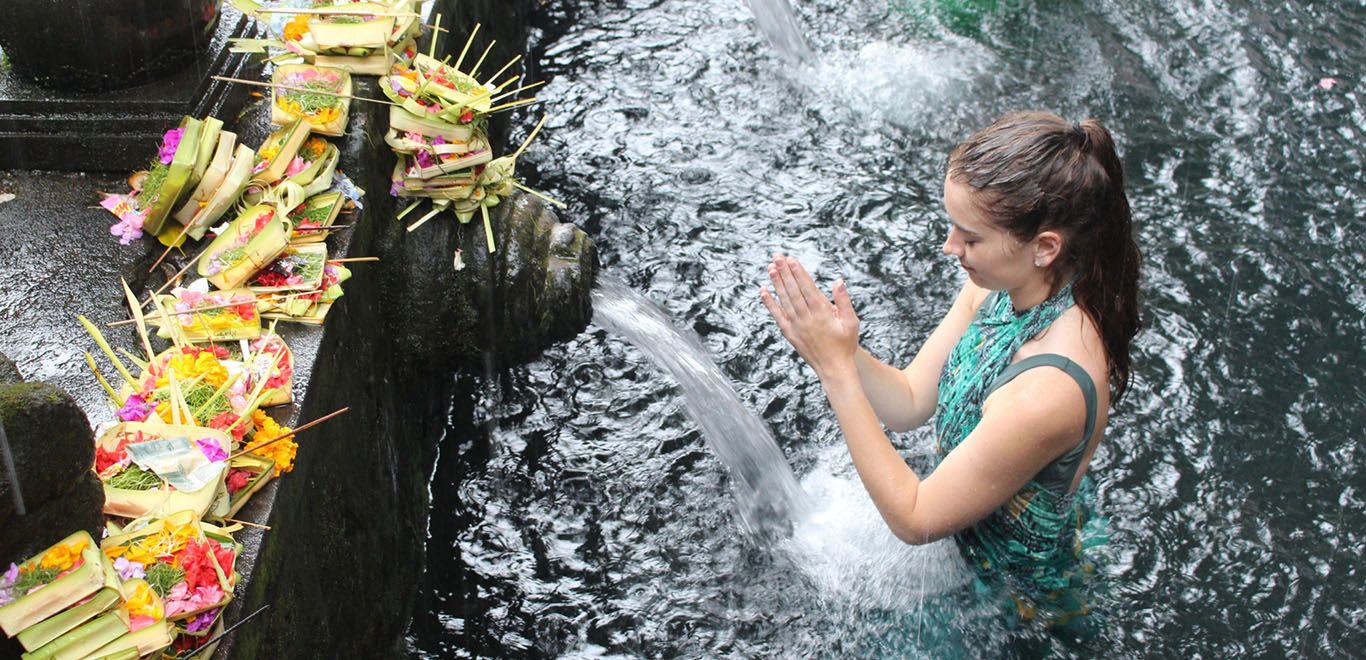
(394, 188)
(169, 143)
(202, 621)
(135, 409)
(12, 574)
(129, 569)
(211, 449)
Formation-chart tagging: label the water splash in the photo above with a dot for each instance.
(766, 490)
(778, 22)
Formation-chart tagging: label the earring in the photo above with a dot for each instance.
(1038, 263)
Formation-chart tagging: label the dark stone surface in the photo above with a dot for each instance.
(512, 303)
(53, 448)
(119, 131)
(80, 507)
(97, 46)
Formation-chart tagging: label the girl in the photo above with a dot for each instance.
(1040, 222)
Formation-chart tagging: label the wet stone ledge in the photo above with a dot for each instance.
(339, 566)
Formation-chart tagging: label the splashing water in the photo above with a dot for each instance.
(778, 22)
(766, 490)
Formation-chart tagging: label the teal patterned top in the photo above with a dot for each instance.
(1033, 543)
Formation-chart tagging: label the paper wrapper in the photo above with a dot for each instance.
(163, 499)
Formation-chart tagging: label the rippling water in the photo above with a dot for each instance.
(576, 508)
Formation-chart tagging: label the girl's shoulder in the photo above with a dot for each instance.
(1075, 336)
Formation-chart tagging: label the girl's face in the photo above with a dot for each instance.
(993, 258)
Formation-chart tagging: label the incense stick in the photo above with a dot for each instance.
(352, 260)
(329, 11)
(174, 244)
(291, 434)
(292, 88)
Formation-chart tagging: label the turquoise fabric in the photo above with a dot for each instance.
(1033, 544)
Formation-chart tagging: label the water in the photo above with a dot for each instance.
(778, 22)
(766, 491)
(580, 511)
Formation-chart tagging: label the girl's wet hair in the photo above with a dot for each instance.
(1035, 171)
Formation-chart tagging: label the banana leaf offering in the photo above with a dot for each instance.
(51, 581)
(252, 240)
(195, 316)
(312, 93)
(278, 151)
(314, 216)
(190, 564)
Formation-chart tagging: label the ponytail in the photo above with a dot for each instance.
(1042, 172)
(1106, 285)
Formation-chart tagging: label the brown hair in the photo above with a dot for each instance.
(1042, 172)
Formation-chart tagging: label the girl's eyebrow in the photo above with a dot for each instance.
(965, 230)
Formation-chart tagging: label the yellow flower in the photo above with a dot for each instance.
(297, 28)
(188, 367)
(281, 452)
(62, 557)
(142, 602)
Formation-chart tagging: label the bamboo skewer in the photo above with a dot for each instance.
(512, 104)
(466, 49)
(292, 88)
(349, 260)
(293, 433)
(474, 72)
(523, 88)
(534, 132)
(500, 71)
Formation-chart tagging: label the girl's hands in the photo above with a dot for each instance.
(825, 334)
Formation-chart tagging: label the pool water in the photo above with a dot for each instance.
(577, 508)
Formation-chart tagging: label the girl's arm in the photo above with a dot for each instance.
(1025, 425)
(905, 398)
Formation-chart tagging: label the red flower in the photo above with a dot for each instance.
(238, 479)
(466, 117)
(194, 560)
(220, 352)
(225, 419)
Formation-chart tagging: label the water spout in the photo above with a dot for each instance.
(766, 490)
(778, 22)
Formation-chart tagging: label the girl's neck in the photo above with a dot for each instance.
(1034, 292)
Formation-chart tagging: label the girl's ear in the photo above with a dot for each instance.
(1047, 248)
